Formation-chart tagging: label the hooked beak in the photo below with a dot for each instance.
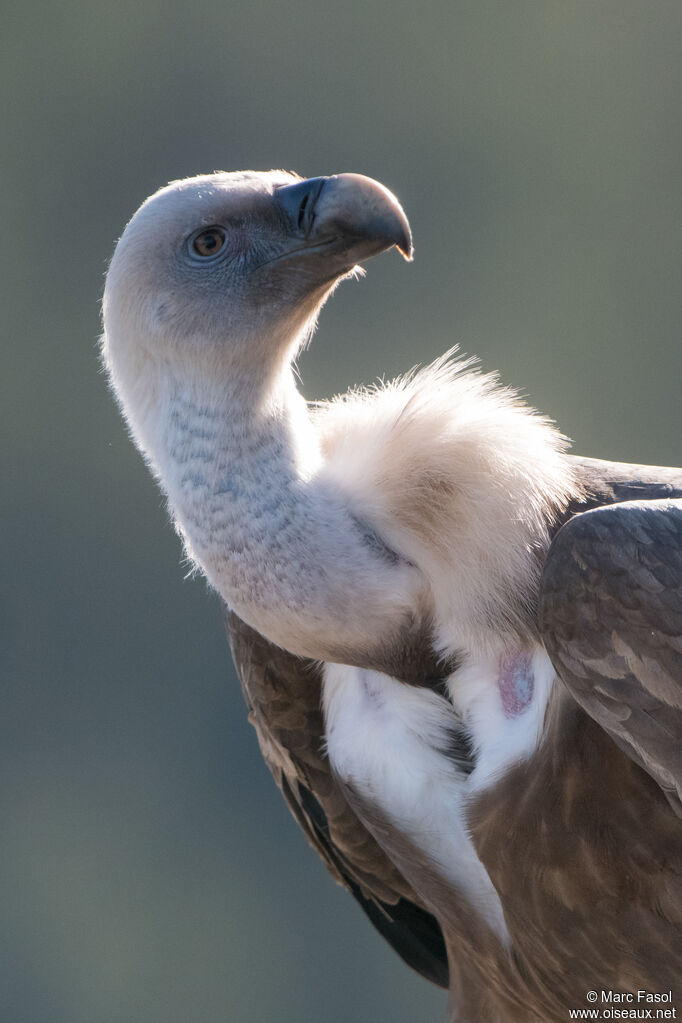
(345, 218)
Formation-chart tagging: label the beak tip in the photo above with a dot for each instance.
(407, 252)
(401, 231)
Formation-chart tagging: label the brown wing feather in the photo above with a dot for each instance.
(607, 482)
(611, 618)
(283, 694)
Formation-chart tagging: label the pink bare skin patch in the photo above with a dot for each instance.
(516, 683)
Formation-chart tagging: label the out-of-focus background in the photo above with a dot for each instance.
(149, 870)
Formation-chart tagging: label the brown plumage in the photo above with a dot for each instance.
(580, 842)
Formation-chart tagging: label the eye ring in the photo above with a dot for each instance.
(208, 243)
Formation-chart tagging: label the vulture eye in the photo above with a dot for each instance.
(208, 243)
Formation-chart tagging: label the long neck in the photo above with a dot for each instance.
(245, 480)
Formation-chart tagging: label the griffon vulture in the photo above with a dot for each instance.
(461, 647)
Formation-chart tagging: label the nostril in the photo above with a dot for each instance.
(302, 209)
(315, 193)
(298, 202)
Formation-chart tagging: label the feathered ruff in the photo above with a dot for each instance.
(461, 477)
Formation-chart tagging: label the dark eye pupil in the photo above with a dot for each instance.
(209, 242)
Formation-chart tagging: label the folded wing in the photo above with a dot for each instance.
(611, 618)
(283, 694)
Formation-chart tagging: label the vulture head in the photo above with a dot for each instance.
(231, 269)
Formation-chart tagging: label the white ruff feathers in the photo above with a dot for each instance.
(460, 477)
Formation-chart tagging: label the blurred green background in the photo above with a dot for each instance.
(149, 870)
